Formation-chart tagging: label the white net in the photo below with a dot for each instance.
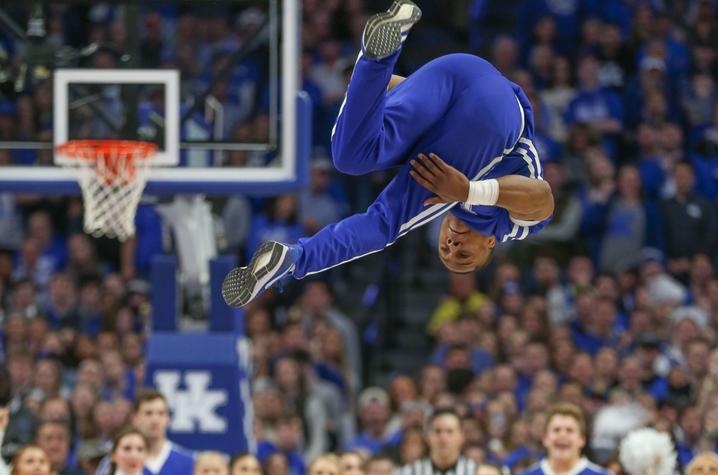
(112, 176)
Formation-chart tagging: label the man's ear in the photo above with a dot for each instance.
(491, 242)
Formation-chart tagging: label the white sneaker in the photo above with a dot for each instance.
(270, 262)
(385, 32)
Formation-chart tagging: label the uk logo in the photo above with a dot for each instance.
(194, 408)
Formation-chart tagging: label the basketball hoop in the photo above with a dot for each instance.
(112, 175)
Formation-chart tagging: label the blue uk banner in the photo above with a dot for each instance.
(205, 380)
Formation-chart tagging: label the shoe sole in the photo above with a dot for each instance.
(243, 284)
(383, 30)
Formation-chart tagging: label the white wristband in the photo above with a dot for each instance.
(483, 192)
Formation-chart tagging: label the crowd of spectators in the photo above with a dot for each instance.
(613, 307)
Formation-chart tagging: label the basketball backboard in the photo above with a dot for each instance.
(231, 121)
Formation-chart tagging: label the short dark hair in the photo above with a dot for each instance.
(146, 395)
(443, 411)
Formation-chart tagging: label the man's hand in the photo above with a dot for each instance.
(448, 183)
(528, 199)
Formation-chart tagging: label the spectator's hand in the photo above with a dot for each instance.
(437, 176)
(4, 418)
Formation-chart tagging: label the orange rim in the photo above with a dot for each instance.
(91, 150)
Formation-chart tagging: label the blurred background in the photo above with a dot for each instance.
(613, 306)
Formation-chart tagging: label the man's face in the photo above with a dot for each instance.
(403, 389)
(606, 363)
(505, 378)
(54, 440)
(152, 418)
(537, 357)
(684, 330)
(432, 381)
(563, 439)
(691, 422)
(445, 437)
(55, 409)
(20, 370)
(629, 181)
(697, 357)
(316, 298)
(684, 178)
(462, 249)
(15, 328)
(374, 416)
(289, 434)
(90, 373)
(605, 317)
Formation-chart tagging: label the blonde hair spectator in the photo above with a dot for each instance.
(488, 469)
(705, 463)
(352, 463)
(211, 463)
(327, 464)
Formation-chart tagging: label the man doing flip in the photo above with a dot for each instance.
(462, 135)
